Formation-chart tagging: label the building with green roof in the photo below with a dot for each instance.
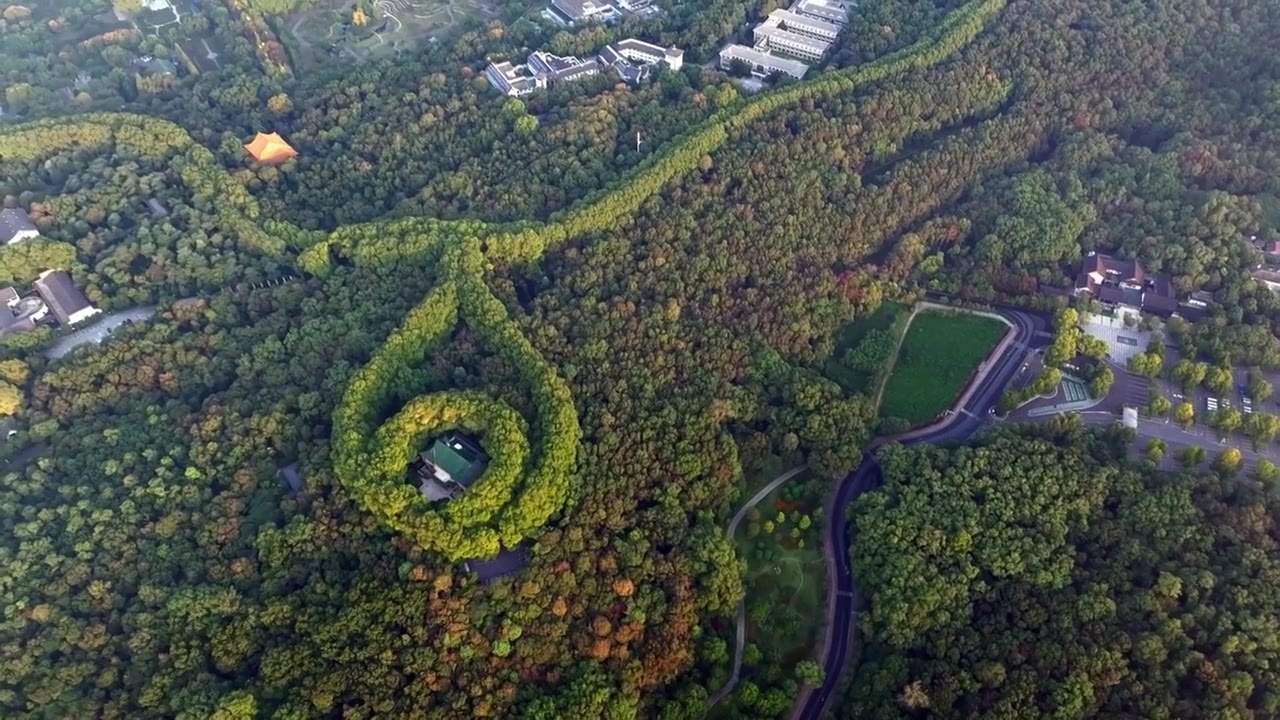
(449, 466)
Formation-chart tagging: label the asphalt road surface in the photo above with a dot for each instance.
(964, 424)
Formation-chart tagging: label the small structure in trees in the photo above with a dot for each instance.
(449, 466)
(269, 148)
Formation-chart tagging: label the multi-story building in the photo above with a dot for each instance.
(761, 63)
(559, 69)
(514, 80)
(635, 59)
(775, 39)
(643, 53)
(832, 12)
(804, 25)
(578, 11)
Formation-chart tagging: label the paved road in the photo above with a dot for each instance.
(98, 331)
(741, 637)
(959, 426)
(1179, 438)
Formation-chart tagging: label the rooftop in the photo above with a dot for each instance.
(773, 32)
(460, 458)
(582, 9)
(835, 12)
(14, 221)
(269, 148)
(756, 58)
(787, 17)
(65, 300)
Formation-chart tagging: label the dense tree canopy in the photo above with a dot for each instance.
(157, 566)
(1035, 577)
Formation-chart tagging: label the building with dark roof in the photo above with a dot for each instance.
(1126, 284)
(16, 226)
(19, 313)
(67, 303)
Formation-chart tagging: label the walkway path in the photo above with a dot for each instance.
(741, 637)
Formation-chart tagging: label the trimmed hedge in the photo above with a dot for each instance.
(371, 461)
(521, 490)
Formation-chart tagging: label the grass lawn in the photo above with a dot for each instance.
(786, 575)
(851, 380)
(940, 353)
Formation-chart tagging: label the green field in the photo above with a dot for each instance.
(850, 379)
(940, 353)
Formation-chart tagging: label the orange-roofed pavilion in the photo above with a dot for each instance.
(269, 148)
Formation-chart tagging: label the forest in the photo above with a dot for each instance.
(636, 357)
(1066, 584)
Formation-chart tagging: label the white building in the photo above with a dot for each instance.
(761, 63)
(643, 53)
(635, 59)
(772, 38)
(576, 11)
(804, 25)
(559, 69)
(832, 12)
(514, 80)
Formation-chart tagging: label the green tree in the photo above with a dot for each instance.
(809, 673)
(1219, 379)
(1228, 461)
(1159, 406)
(1184, 414)
(1192, 457)
(1156, 449)
(1259, 388)
(1189, 373)
(1146, 364)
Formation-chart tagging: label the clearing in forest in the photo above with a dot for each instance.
(781, 541)
(939, 354)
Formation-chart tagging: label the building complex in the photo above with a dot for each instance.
(1125, 285)
(788, 40)
(54, 294)
(633, 60)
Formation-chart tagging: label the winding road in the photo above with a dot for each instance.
(958, 426)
